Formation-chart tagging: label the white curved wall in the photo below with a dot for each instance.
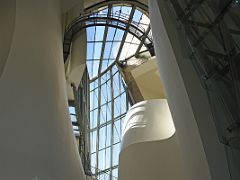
(7, 21)
(149, 145)
(37, 141)
(143, 122)
(203, 154)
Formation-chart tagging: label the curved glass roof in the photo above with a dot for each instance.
(108, 44)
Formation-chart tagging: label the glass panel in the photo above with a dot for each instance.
(95, 68)
(119, 35)
(111, 32)
(73, 118)
(116, 150)
(104, 65)
(95, 98)
(116, 10)
(72, 110)
(90, 67)
(93, 162)
(93, 141)
(129, 38)
(107, 50)
(90, 50)
(97, 50)
(137, 16)
(93, 117)
(102, 137)
(117, 105)
(108, 158)
(124, 51)
(103, 117)
(117, 134)
(108, 135)
(145, 21)
(109, 112)
(132, 50)
(101, 160)
(99, 33)
(90, 33)
(115, 172)
(126, 10)
(114, 50)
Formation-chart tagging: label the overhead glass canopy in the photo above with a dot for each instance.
(107, 44)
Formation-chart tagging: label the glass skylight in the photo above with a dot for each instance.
(104, 42)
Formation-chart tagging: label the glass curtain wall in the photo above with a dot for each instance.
(108, 100)
(108, 106)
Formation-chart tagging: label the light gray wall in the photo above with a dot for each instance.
(37, 141)
(149, 147)
(7, 21)
(153, 160)
(204, 155)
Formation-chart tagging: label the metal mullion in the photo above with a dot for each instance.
(109, 57)
(143, 40)
(130, 43)
(104, 41)
(112, 122)
(125, 33)
(93, 48)
(216, 21)
(98, 123)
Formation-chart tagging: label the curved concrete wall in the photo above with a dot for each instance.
(37, 140)
(203, 154)
(7, 21)
(148, 120)
(149, 145)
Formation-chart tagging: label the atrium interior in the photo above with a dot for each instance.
(120, 90)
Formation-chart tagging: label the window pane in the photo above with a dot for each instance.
(90, 50)
(116, 150)
(99, 33)
(108, 136)
(102, 137)
(108, 157)
(117, 134)
(97, 50)
(103, 117)
(115, 172)
(93, 162)
(90, 33)
(111, 32)
(93, 141)
(101, 160)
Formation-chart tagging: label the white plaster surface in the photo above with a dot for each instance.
(7, 21)
(204, 156)
(37, 141)
(148, 120)
(149, 147)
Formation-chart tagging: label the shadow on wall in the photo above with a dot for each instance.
(149, 145)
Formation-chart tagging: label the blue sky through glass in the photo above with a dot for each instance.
(108, 109)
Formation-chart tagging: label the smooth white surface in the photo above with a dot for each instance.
(149, 147)
(148, 120)
(7, 21)
(203, 154)
(37, 141)
(76, 62)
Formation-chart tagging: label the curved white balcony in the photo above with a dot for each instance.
(149, 120)
(149, 145)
